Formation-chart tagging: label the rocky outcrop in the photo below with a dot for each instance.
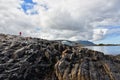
(26, 58)
(86, 64)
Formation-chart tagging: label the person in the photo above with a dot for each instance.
(20, 33)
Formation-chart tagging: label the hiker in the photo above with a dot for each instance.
(20, 33)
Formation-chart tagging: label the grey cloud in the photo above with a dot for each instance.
(13, 20)
(66, 19)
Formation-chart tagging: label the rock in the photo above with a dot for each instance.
(19, 53)
(38, 59)
(88, 65)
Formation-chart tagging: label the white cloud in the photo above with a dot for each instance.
(64, 19)
(13, 20)
(99, 34)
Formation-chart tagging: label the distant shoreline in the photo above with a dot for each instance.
(103, 45)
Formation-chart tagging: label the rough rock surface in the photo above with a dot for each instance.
(86, 64)
(26, 58)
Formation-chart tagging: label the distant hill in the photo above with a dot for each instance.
(85, 43)
(67, 42)
(76, 43)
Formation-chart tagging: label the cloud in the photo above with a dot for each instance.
(99, 34)
(81, 16)
(64, 19)
(13, 19)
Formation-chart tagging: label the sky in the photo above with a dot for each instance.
(96, 20)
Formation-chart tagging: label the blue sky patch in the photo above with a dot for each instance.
(29, 5)
(110, 27)
(111, 39)
(28, 1)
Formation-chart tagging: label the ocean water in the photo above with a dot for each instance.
(112, 50)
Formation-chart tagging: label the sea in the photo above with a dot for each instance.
(111, 50)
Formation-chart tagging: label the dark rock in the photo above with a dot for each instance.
(88, 65)
(38, 59)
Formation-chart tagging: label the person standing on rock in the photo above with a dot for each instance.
(20, 33)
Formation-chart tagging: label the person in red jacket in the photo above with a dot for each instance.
(20, 33)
